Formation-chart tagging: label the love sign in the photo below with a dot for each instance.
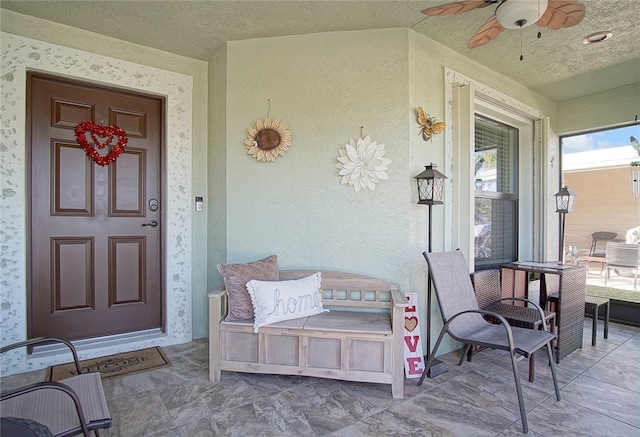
(413, 357)
(101, 137)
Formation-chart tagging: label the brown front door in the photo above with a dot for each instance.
(95, 269)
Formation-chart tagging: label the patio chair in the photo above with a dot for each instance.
(74, 405)
(597, 237)
(623, 257)
(488, 288)
(463, 321)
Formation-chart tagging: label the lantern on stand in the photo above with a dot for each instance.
(565, 199)
(431, 192)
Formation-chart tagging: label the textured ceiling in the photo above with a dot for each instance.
(557, 66)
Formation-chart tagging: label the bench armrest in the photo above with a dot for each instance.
(398, 304)
(217, 312)
(398, 299)
(217, 305)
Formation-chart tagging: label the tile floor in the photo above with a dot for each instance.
(600, 390)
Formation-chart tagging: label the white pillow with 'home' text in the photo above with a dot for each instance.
(275, 301)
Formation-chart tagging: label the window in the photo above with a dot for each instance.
(596, 166)
(506, 219)
(496, 193)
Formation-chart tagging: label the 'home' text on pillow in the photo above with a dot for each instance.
(276, 301)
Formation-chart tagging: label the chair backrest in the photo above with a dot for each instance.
(600, 236)
(452, 284)
(487, 286)
(623, 255)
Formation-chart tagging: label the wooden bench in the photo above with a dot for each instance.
(360, 339)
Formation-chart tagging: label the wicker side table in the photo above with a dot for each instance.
(571, 289)
(487, 285)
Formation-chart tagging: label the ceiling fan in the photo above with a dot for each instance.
(514, 14)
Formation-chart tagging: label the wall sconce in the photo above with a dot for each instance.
(565, 200)
(431, 192)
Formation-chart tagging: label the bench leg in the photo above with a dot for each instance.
(397, 390)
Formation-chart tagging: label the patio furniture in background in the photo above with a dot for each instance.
(622, 257)
(75, 405)
(592, 306)
(596, 237)
(602, 261)
(633, 235)
(569, 281)
(463, 321)
(488, 288)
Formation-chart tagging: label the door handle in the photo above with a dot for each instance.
(152, 223)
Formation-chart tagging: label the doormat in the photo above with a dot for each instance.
(113, 365)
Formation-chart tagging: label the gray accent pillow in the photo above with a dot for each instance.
(236, 277)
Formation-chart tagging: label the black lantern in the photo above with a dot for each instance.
(431, 192)
(430, 186)
(565, 199)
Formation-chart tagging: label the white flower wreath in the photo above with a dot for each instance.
(362, 164)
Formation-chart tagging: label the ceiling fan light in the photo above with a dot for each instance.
(516, 14)
(597, 37)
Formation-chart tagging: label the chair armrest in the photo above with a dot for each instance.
(537, 307)
(501, 319)
(39, 340)
(50, 385)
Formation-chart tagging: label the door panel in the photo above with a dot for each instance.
(95, 269)
(76, 201)
(72, 270)
(127, 194)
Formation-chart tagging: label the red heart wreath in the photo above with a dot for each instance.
(98, 133)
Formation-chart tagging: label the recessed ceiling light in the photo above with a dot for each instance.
(597, 37)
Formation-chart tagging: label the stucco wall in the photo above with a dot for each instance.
(217, 172)
(325, 87)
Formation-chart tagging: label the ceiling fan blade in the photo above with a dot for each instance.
(562, 13)
(487, 32)
(457, 7)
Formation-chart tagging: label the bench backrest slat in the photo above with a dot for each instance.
(347, 289)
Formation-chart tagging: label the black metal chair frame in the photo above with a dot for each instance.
(83, 427)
